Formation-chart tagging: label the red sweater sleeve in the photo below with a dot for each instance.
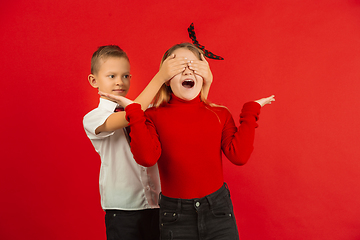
(144, 144)
(238, 143)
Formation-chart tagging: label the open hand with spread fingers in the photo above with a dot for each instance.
(267, 100)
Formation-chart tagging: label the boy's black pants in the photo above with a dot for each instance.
(132, 225)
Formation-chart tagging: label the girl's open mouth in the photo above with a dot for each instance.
(188, 83)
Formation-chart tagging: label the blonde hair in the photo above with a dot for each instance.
(104, 52)
(163, 95)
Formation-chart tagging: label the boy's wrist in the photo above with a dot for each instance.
(160, 78)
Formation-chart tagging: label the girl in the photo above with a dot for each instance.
(185, 135)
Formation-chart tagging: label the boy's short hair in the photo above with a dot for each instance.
(103, 53)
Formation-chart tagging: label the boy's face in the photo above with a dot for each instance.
(186, 85)
(113, 76)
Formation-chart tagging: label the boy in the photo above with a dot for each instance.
(129, 192)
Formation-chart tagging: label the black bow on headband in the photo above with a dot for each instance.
(196, 43)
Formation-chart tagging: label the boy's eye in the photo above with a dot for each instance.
(127, 76)
(111, 76)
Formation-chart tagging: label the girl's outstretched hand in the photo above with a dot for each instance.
(123, 101)
(264, 101)
(202, 68)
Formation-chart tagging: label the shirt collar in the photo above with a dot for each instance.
(107, 104)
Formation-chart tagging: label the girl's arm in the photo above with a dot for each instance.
(237, 143)
(145, 144)
(170, 68)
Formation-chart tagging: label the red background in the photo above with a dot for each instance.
(302, 181)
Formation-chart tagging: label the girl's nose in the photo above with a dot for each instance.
(187, 70)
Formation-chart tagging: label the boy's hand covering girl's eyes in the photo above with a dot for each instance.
(122, 101)
(264, 101)
(202, 69)
(172, 66)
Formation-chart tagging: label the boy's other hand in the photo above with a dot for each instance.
(202, 68)
(123, 101)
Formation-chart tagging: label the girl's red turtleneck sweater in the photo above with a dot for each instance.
(186, 139)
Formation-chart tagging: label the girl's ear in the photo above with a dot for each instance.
(92, 81)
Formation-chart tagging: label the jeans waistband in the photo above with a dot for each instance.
(188, 204)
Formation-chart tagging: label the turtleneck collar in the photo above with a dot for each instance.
(176, 100)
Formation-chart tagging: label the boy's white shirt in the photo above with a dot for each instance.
(124, 184)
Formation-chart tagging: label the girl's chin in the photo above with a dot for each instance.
(187, 98)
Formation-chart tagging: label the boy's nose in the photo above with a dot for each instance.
(119, 81)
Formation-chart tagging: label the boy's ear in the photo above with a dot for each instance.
(92, 81)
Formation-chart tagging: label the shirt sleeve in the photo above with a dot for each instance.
(93, 120)
(145, 144)
(238, 143)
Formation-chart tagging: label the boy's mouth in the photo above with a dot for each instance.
(118, 91)
(188, 83)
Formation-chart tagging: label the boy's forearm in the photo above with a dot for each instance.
(148, 94)
(113, 122)
(117, 120)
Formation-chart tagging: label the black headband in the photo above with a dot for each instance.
(196, 43)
